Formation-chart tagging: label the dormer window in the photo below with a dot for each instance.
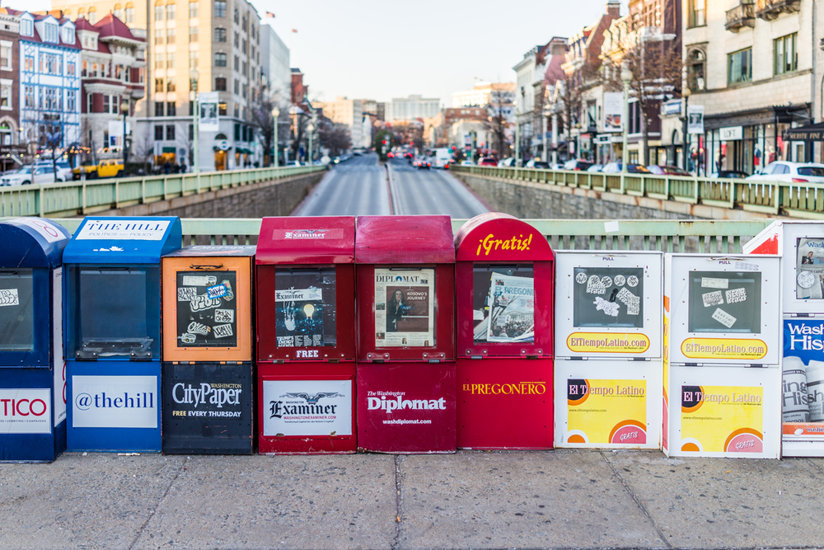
(68, 35)
(50, 31)
(27, 27)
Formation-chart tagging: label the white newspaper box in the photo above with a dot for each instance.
(800, 247)
(608, 342)
(722, 347)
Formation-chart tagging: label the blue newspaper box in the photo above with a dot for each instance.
(112, 337)
(32, 373)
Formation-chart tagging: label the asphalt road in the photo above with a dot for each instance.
(541, 499)
(363, 186)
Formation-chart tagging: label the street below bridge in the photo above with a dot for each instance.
(363, 186)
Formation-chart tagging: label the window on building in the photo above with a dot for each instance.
(221, 109)
(27, 27)
(785, 54)
(220, 59)
(89, 103)
(696, 67)
(28, 63)
(170, 61)
(158, 36)
(739, 66)
(158, 87)
(28, 97)
(5, 94)
(237, 63)
(192, 9)
(159, 109)
(50, 32)
(170, 86)
(170, 12)
(193, 60)
(220, 84)
(158, 12)
(171, 108)
(71, 68)
(237, 40)
(170, 35)
(71, 101)
(5, 55)
(696, 13)
(160, 61)
(158, 132)
(128, 13)
(68, 35)
(193, 35)
(170, 132)
(107, 103)
(237, 86)
(237, 16)
(92, 15)
(191, 132)
(220, 34)
(220, 8)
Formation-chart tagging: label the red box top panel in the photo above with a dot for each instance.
(295, 240)
(500, 238)
(216, 251)
(404, 240)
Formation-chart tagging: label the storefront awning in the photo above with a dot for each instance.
(811, 132)
(171, 150)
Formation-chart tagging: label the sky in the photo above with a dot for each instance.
(372, 49)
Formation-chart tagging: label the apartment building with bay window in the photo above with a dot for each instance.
(193, 46)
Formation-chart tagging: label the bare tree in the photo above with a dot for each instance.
(496, 123)
(143, 149)
(262, 119)
(334, 137)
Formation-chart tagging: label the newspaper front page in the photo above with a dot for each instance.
(404, 308)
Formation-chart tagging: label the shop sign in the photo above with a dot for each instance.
(114, 401)
(722, 419)
(25, 411)
(108, 229)
(606, 412)
(732, 133)
(307, 407)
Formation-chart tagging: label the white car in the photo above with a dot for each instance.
(24, 176)
(793, 172)
(64, 171)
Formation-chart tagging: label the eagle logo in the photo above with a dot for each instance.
(313, 399)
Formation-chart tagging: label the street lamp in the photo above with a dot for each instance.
(275, 117)
(124, 108)
(311, 129)
(626, 78)
(193, 78)
(686, 148)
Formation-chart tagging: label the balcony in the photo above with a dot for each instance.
(742, 15)
(769, 10)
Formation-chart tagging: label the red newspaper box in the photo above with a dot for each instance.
(406, 351)
(305, 303)
(504, 277)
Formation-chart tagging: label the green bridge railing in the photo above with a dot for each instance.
(85, 197)
(796, 199)
(725, 237)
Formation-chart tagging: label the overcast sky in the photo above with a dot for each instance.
(390, 48)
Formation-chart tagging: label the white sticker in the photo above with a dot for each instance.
(581, 278)
(9, 297)
(630, 300)
(187, 338)
(632, 281)
(186, 294)
(609, 308)
(223, 331)
(620, 280)
(217, 291)
(743, 266)
(723, 317)
(224, 316)
(197, 328)
(711, 282)
(123, 229)
(606, 280)
(806, 279)
(736, 295)
(199, 280)
(594, 285)
(611, 227)
(710, 299)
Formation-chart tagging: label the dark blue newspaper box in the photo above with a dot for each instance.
(32, 373)
(112, 320)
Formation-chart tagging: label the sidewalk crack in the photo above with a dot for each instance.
(396, 542)
(159, 502)
(635, 498)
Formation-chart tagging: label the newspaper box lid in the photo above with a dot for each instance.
(123, 240)
(306, 240)
(213, 251)
(31, 242)
(494, 236)
(404, 240)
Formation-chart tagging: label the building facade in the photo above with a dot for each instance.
(412, 107)
(12, 148)
(274, 65)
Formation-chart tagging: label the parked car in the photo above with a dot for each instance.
(64, 171)
(730, 174)
(105, 168)
(25, 176)
(577, 165)
(798, 172)
(422, 163)
(488, 161)
(537, 164)
(617, 168)
(595, 168)
(667, 170)
(509, 162)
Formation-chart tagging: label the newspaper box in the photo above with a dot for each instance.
(608, 364)
(406, 352)
(112, 331)
(504, 283)
(800, 247)
(305, 277)
(207, 384)
(722, 349)
(32, 370)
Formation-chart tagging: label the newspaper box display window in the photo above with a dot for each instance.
(504, 298)
(305, 293)
(208, 350)
(608, 349)
(722, 356)
(406, 352)
(32, 370)
(800, 247)
(113, 331)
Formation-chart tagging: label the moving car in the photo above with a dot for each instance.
(577, 164)
(64, 171)
(595, 168)
(488, 161)
(617, 167)
(537, 164)
(797, 172)
(25, 176)
(105, 168)
(667, 170)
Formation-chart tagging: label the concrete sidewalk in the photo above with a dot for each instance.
(556, 499)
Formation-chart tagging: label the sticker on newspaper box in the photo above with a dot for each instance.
(722, 419)
(606, 412)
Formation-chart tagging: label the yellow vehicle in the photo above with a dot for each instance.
(104, 168)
